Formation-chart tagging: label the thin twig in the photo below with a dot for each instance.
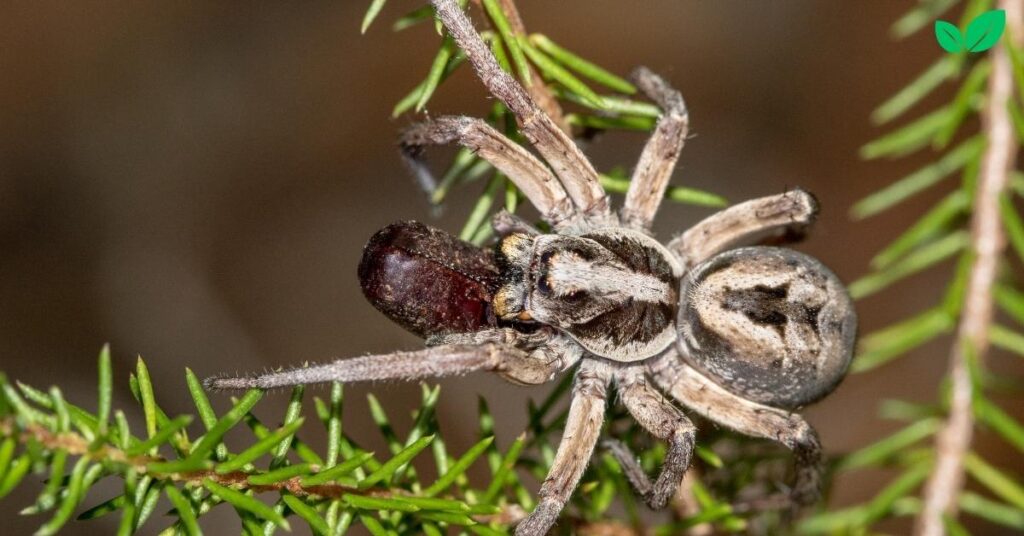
(76, 445)
(989, 242)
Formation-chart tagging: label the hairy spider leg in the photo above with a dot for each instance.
(528, 173)
(435, 362)
(582, 428)
(570, 165)
(789, 214)
(662, 420)
(705, 397)
(658, 159)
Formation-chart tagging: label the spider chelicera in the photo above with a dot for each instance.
(739, 335)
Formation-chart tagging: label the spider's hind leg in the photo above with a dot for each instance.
(662, 420)
(785, 215)
(582, 428)
(658, 160)
(703, 396)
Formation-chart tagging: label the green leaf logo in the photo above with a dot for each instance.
(948, 36)
(982, 33)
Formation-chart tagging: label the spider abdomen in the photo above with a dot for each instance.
(428, 281)
(771, 324)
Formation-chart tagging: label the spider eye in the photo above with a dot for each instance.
(776, 322)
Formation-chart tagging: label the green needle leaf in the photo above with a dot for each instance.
(883, 450)
(508, 463)
(509, 38)
(260, 448)
(928, 227)
(679, 194)
(105, 393)
(437, 69)
(559, 74)
(1011, 301)
(413, 97)
(110, 505)
(692, 196)
(374, 526)
(1013, 223)
(161, 436)
(995, 480)
(71, 500)
(966, 97)
(390, 466)
(450, 518)
(940, 71)
(291, 414)
(334, 432)
(916, 261)
(14, 474)
(412, 18)
(6, 455)
(1000, 421)
(184, 510)
(993, 511)
(61, 409)
(478, 216)
(371, 14)
(1006, 339)
(278, 475)
(921, 179)
(225, 423)
(146, 396)
(882, 503)
(333, 473)
(430, 503)
(459, 467)
(582, 66)
(884, 345)
(919, 17)
(49, 495)
(643, 124)
(949, 37)
(378, 503)
(308, 513)
(984, 31)
(909, 138)
(246, 503)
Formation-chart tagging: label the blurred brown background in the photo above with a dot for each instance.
(194, 181)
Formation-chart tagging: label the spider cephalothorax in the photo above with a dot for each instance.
(739, 335)
(614, 291)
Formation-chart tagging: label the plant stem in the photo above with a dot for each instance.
(989, 243)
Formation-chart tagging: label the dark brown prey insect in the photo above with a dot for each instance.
(742, 336)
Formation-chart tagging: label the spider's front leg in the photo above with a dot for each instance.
(787, 214)
(662, 420)
(492, 350)
(576, 173)
(707, 398)
(582, 428)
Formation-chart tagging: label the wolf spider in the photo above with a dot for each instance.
(739, 335)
